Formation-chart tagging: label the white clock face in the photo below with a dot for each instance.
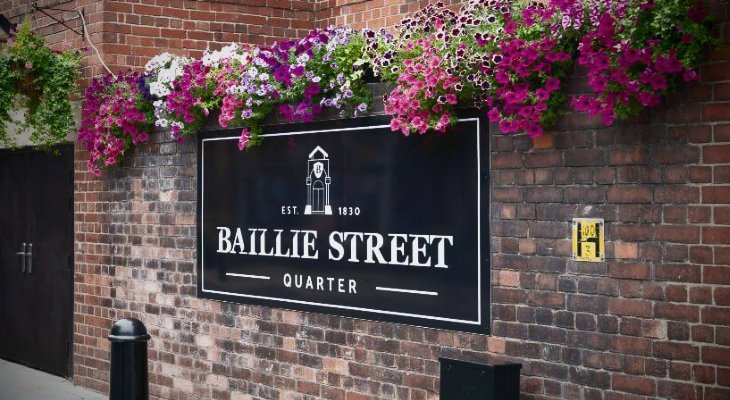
(318, 169)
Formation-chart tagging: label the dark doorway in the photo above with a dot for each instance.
(36, 265)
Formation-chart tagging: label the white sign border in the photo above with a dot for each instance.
(339, 306)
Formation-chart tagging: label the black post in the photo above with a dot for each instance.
(128, 376)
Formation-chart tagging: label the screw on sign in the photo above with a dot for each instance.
(588, 239)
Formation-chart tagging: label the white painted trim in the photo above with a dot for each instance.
(248, 276)
(410, 291)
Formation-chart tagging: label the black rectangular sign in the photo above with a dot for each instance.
(346, 217)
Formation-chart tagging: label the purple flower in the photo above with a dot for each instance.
(282, 74)
(298, 71)
(312, 90)
(245, 136)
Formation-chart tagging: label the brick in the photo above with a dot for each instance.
(716, 111)
(700, 174)
(722, 215)
(650, 251)
(554, 230)
(638, 308)
(680, 371)
(716, 154)
(715, 72)
(678, 234)
(546, 299)
(589, 377)
(631, 345)
(723, 376)
(582, 158)
(698, 133)
(675, 174)
(716, 355)
(678, 155)
(686, 113)
(676, 293)
(722, 133)
(633, 384)
(627, 156)
(716, 195)
(544, 141)
(677, 351)
(678, 272)
(593, 304)
(700, 295)
(675, 215)
(506, 194)
(722, 255)
(677, 195)
(629, 194)
(698, 215)
(721, 174)
(543, 159)
(716, 235)
(722, 296)
(703, 333)
(676, 312)
(584, 195)
(679, 390)
(507, 278)
(706, 374)
(544, 195)
(629, 270)
(506, 160)
(678, 331)
(653, 329)
(716, 275)
(625, 250)
(716, 316)
(510, 228)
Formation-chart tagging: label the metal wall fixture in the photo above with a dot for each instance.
(26, 258)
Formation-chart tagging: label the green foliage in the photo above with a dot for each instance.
(41, 81)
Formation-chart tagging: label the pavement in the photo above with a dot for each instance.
(18, 382)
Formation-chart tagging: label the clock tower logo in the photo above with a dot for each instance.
(318, 183)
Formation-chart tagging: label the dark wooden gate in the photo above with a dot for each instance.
(36, 266)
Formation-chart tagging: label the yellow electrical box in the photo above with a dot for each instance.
(588, 240)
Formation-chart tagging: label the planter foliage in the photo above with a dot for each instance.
(39, 81)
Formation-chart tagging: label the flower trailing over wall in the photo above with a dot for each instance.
(40, 81)
(501, 55)
(512, 58)
(634, 50)
(162, 73)
(509, 58)
(528, 65)
(423, 62)
(245, 83)
(118, 114)
(426, 93)
(299, 79)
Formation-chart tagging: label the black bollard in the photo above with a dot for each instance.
(128, 376)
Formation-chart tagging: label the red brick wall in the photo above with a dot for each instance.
(653, 321)
(130, 32)
(370, 13)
